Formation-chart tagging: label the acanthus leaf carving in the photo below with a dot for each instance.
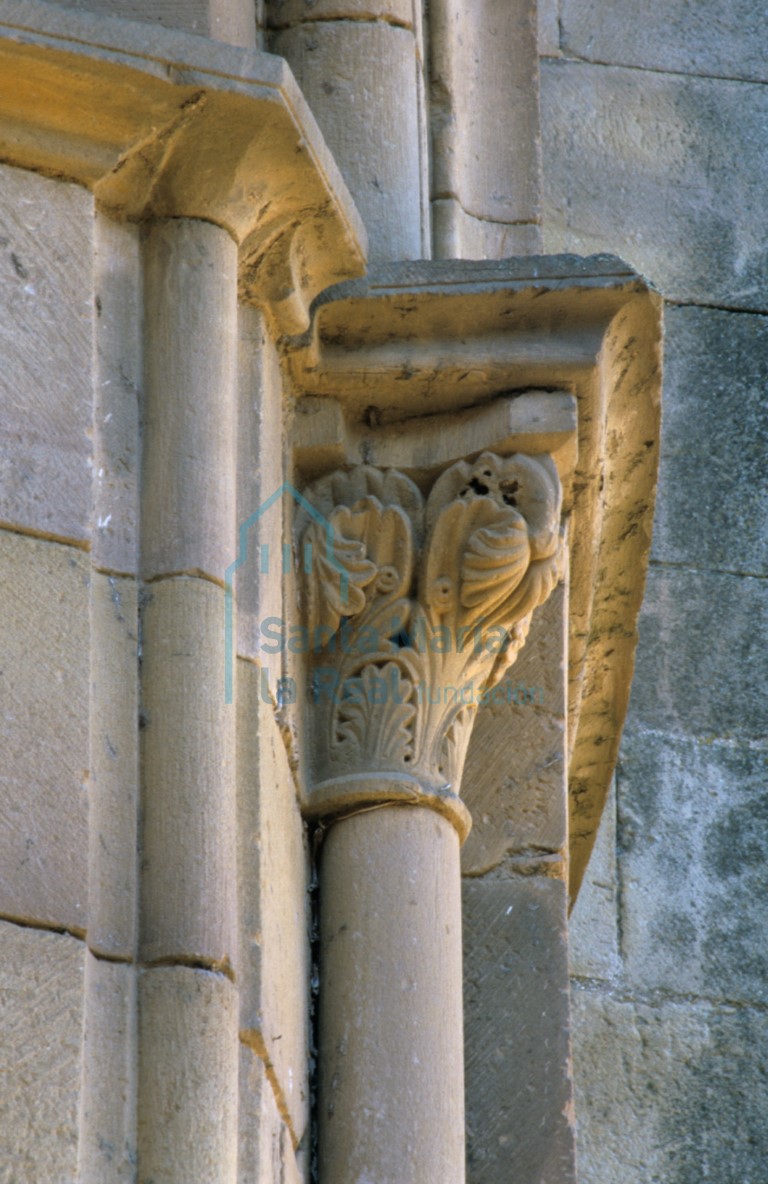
(409, 645)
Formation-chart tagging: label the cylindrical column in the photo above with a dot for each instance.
(391, 1091)
(361, 69)
(187, 1116)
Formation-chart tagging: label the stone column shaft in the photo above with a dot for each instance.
(391, 1034)
(188, 1047)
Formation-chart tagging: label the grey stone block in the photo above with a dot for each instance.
(673, 1094)
(517, 1030)
(693, 834)
(712, 508)
(593, 928)
(701, 658)
(707, 37)
(666, 171)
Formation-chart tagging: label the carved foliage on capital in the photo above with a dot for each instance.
(416, 608)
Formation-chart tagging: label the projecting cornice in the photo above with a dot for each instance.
(491, 355)
(165, 124)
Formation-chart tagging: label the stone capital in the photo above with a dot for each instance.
(415, 608)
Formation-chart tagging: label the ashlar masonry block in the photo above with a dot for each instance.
(517, 1024)
(188, 1075)
(108, 1110)
(46, 282)
(273, 887)
(41, 1016)
(44, 590)
(189, 881)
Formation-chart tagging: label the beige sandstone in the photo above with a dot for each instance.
(256, 581)
(107, 1142)
(189, 865)
(390, 998)
(188, 1077)
(45, 747)
(41, 1004)
(46, 244)
(113, 811)
(459, 235)
(519, 1093)
(188, 465)
(265, 1148)
(289, 12)
(360, 78)
(483, 77)
(273, 891)
(117, 393)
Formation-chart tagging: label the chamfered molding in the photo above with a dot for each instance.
(415, 609)
(159, 123)
(412, 341)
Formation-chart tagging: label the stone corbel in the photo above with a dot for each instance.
(553, 355)
(177, 126)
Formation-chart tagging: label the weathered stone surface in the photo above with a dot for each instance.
(118, 376)
(517, 1032)
(289, 12)
(265, 1149)
(46, 230)
(257, 578)
(693, 832)
(188, 461)
(108, 1110)
(483, 76)
(669, 1094)
(593, 926)
(700, 663)
(41, 1005)
(189, 876)
(549, 27)
(188, 1077)
(459, 235)
(665, 171)
(114, 784)
(44, 686)
(708, 37)
(273, 885)
(712, 508)
(515, 789)
(390, 1090)
(359, 79)
(232, 21)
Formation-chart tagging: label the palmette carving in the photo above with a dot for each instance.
(416, 610)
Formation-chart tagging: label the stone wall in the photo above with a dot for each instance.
(653, 124)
